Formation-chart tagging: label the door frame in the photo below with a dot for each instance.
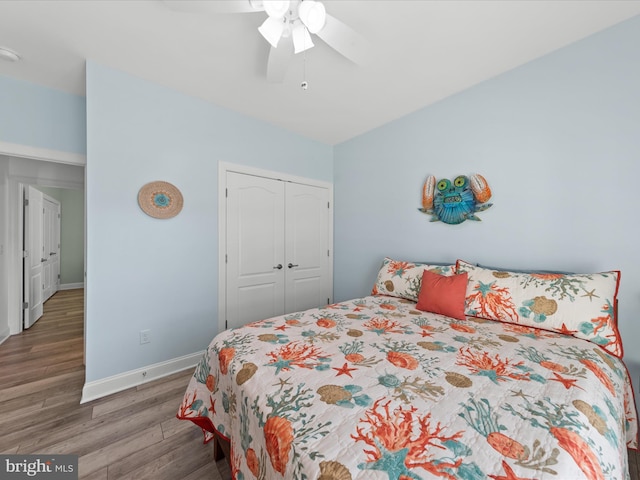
(15, 215)
(17, 325)
(223, 169)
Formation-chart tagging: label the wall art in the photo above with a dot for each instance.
(160, 200)
(455, 201)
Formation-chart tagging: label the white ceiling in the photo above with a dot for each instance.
(421, 52)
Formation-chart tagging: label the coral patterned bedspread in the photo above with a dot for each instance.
(375, 389)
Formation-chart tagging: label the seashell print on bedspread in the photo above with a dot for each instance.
(374, 389)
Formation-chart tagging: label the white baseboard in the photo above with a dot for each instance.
(6, 333)
(133, 378)
(71, 286)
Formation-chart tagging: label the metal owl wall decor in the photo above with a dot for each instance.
(455, 201)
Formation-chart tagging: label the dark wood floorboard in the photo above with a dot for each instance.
(129, 435)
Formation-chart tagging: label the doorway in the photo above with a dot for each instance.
(60, 264)
(41, 252)
(18, 172)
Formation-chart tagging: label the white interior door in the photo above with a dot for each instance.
(54, 255)
(307, 282)
(47, 228)
(255, 249)
(51, 235)
(33, 256)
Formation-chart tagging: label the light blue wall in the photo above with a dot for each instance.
(162, 275)
(41, 117)
(558, 140)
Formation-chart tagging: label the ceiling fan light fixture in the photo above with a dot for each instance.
(276, 8)
(271, 30)
(9, 55)
(313, 15)
(286, 30)
(301, 38)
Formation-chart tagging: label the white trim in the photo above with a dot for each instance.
(45, 154)
(4, 335)
(71, 286)
(223, 168)
(16, 269)
(133, 378)
(47, 182)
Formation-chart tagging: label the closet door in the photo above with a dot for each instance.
(255, 249)
(307, 247)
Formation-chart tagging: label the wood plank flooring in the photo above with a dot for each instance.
(129, 435)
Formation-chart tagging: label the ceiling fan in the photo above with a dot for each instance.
(288, 28)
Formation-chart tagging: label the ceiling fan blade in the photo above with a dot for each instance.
(218, 6)
(345, 40)
(279, 60)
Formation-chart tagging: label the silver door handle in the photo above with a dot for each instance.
(291, 265)
(52, 253)
(278, 267)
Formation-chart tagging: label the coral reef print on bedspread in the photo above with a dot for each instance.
(375, 389)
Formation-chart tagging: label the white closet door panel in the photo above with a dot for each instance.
(255, 248)
(34, 243)
(54, 253)
(307, 245)
(49, 236)
(304, 293)
(257, 302)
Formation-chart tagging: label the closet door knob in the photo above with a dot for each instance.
(278, 267)
(291, 265)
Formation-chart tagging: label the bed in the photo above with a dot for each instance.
(444, 371)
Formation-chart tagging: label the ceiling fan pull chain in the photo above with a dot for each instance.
(304, 84)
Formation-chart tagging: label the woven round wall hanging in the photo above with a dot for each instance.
(160, 200)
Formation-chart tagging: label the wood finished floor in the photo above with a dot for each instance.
(129, 435)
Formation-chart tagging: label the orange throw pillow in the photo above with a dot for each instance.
(443, 295)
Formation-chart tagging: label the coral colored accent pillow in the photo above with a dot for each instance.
(443, 294)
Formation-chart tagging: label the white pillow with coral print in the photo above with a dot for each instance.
(403, 279)
(582, 305)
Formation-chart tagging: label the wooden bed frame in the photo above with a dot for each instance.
(221, 448)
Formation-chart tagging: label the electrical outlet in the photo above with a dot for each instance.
(145, 336)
